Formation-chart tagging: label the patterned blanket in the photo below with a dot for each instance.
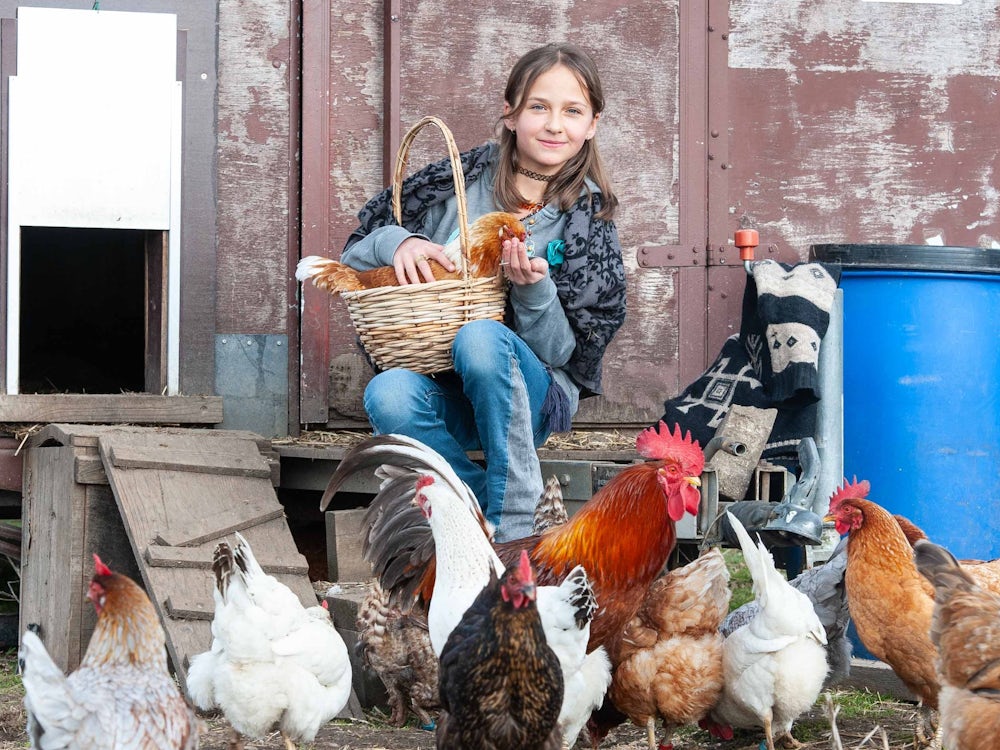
(771, 363)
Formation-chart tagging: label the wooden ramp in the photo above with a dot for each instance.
(179, 494)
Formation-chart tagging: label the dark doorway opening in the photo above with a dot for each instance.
(83, 310)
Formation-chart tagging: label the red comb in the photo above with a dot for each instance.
(100, 568)
(424, 480)
(524, 568)
(658, 442)
(853, 490)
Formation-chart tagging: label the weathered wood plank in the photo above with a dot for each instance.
(343, 546)
(208, 462)
(162, 501)
(191, 531)
(272, 561)
(110, 408)
(183, 607)
(89, 469)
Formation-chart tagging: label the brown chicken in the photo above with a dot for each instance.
(622, 536)
(966, 630)
(122, 695)
(396, 647)
(501, 683)
(670, 659)
(486, 236)
(891, 603)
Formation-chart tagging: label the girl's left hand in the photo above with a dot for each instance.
(518, 267)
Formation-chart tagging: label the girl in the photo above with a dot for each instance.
(513, 384)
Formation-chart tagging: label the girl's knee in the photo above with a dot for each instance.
(477, 344)
(391, 398)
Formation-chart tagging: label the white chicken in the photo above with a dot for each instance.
(465, 559)
(272, 661)
(775, 664)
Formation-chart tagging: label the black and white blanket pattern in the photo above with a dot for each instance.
(772, 363)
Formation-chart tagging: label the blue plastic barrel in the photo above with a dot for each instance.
(922, 386)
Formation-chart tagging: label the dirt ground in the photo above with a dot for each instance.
(860, 723)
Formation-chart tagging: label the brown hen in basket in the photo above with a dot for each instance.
(486, 237)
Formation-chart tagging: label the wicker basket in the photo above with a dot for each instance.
(413, 326)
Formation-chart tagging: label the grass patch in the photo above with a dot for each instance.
(739, 579)
(864, 704)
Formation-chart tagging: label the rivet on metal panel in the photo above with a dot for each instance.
(724, 36)
(715, 133)
(724, 295)
(224, 341)
(711, 157)
(644, 251)
(725, 166)
(394, 18)
(694, 250)
(772, 248)
(722, 261)
(670, 256)
(564, 480)
(711, 28)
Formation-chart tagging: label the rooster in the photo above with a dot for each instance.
(122, 695)
(774, 665)
(395, 645)
(272, 661)
(465, 562)
(501, 683)
(622, 536)
(486, 237)
(966, 630)
(670, 661)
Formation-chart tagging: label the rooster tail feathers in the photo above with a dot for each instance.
(222, 567)
(941, 568)
(395, 450)
(580, 595)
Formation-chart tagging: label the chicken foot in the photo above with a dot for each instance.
(788, 741)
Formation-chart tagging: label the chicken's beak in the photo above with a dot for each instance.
(693, 481)
(829, 518)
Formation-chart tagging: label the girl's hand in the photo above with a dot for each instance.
(518, 267)
(410, 260)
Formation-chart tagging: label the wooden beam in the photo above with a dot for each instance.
(205, 462)
(201, 558)
(110, 408)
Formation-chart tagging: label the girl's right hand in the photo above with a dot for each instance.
(410, 260)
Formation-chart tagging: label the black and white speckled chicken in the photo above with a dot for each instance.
(395, 646)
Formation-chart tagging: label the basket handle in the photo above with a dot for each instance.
(402, 155)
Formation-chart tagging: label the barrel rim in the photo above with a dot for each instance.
(948, 258)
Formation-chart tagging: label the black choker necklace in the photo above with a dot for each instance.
(534, 175)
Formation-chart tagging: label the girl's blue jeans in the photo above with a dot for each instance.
(493, 402)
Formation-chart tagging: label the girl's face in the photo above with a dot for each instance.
(556, 121)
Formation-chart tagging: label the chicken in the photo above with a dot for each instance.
(774, 665)
(272, 661)
(826, 589)
(966, 630)
(670, 661)
(395, 645)
(501, 683)
(622, 536)
(891, 603)
(465, 563)
(122, 695)
(486, 236)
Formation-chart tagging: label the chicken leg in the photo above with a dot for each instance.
(289, 745)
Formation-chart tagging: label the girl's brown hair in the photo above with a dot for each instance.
(565, 187)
